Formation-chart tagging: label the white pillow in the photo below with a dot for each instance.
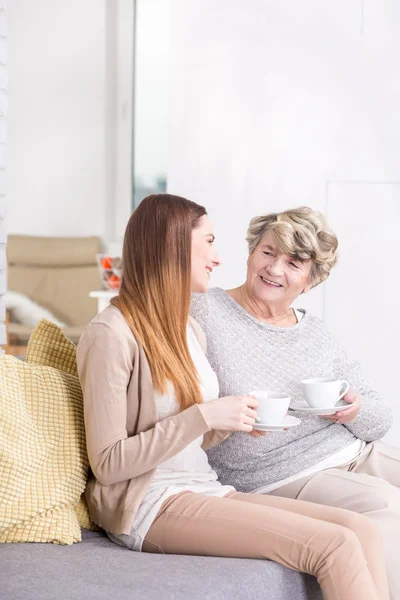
(26, 311)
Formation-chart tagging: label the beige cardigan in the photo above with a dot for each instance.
(125, 443)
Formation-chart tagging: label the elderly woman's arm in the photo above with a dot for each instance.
(375, 418)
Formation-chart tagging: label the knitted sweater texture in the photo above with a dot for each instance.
(246, 355)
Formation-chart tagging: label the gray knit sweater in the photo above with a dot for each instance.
(246, 355)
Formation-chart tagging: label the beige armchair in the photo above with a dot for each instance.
(56, 273)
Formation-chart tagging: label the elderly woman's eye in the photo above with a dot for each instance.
(267, 253)
(294, 265)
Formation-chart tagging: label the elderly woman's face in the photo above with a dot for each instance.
(276, 278)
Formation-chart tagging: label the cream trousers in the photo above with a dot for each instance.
(369, 486)
(343, 550)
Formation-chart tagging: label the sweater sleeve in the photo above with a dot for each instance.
(199, 310)
(375, 418)
(105, 370)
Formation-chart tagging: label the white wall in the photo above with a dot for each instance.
(3, 164)
(68, 116)
(275, 104)
(56, 117)
(151, 90)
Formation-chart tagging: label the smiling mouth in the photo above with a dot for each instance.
(273, 283)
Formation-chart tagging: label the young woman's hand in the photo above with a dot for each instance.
(231, 413)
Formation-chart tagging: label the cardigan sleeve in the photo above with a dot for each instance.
(105, 368)
(214, 437)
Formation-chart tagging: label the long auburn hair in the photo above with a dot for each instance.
(155, 289)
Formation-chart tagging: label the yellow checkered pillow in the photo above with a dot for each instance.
(48, 346)
(43, 461)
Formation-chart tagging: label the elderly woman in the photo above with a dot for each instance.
(257, 341)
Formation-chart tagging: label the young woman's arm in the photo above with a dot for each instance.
(213, 438)
(106, 367)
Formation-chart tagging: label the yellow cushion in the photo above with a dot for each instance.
(43, 461)
(49, 346)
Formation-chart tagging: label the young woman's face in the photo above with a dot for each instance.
(204, 256)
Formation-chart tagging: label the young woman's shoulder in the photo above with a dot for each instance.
(109, 328)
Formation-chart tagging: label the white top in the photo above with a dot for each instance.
(339, 459)
(188, 470)
(299, 315)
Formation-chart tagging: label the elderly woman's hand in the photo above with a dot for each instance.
(350, 413)
(256, 434)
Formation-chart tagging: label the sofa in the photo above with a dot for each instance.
(98, 569)
(43, 474)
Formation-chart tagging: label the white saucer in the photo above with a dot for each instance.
(287, 422)
(302, 406)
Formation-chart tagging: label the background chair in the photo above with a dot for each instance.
(57, 273)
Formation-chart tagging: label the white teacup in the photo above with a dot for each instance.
(324, 392)
(272, 407)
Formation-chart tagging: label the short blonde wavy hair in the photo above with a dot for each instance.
(301, 233)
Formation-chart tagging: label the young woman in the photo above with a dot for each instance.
(152, 408)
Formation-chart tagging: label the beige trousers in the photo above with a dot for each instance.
(369, 486)
(343, 550)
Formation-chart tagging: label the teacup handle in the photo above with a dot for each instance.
(344, 391)
(257, 419)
